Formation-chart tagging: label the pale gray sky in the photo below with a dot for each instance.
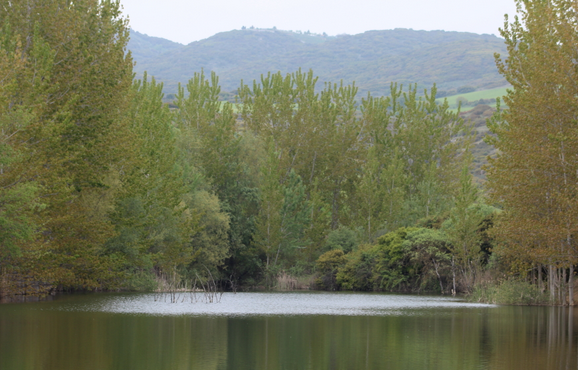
(185, 21)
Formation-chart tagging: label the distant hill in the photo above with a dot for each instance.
(146, 48)
(372, 59)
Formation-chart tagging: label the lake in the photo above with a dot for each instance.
(302, 330)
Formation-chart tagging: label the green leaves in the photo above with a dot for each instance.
(130, 188)
(284, 215)
(17, 205)
(533, 178)
(63, 113)
(418, 148)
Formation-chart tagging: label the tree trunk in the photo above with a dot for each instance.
(453, 276)
(540, 279)
(562, 287)
(551, 283)
(439, 277)
(571, 286)
(312, 172)
(559, 285)
(335, 206)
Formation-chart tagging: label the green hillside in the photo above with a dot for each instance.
(146, 48)
(472, 99)
(477, 108)
(372, 59)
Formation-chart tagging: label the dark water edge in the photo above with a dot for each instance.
(92, 331)
(25, 298)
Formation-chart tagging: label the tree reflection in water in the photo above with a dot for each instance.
(61, 335)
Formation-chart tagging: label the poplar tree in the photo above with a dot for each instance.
(153, 219)
(74, 88)
(268, 231)
(316, 134)
(534, 176)
(210, 142)
(462, 231)
(18, 196)
(418, 147)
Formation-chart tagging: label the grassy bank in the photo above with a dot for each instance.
(509, 292)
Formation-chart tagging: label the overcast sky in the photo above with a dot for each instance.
(186, 21)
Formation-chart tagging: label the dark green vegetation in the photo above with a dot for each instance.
(104, 187)
(373, 59)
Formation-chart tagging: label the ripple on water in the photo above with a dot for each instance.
(259, 304)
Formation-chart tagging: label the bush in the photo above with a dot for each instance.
(509, 292)
(357, 273)
(343, 238)
(141, 281)
(462, 100)
(393, 268)
(327, 265)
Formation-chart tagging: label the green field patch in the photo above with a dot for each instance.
(470, 100)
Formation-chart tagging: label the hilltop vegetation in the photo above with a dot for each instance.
(146, 48)
(372, 59)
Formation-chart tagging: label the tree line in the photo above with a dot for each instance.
(104, 187)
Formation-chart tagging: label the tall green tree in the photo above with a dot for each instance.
(268, 229)
(153, 221)
(462, 230)
(74, 85)
(283, 218)
(228, 163)
(18, 197)
(534, 175)
(316, 134)
(418, 147)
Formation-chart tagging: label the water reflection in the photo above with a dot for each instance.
(84, 332)
(260, 304)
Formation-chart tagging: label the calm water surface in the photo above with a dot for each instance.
(283, 331)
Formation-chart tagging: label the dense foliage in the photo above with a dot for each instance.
(535, 174)
(103, 186)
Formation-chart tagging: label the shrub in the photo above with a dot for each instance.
(141, 281)
(509, 292)
(392, 268)
(342, 238)
(327, 265)
(357, 273)
(462, 100)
